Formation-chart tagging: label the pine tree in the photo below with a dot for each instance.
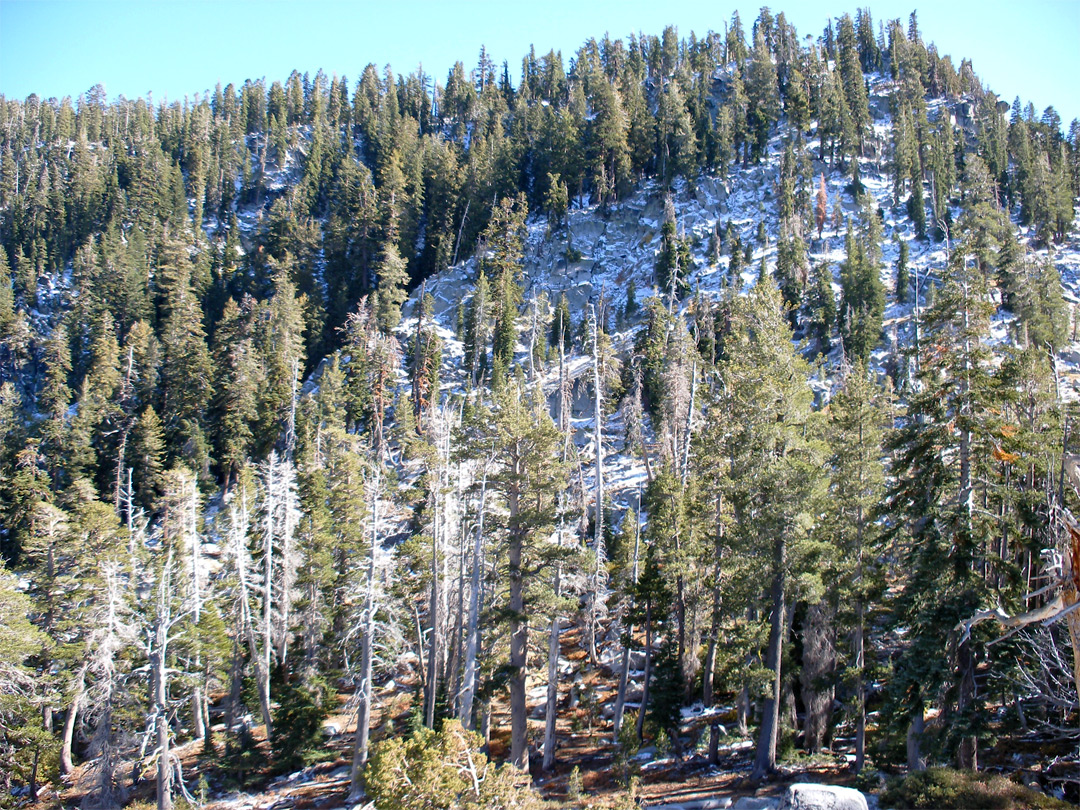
(476, 329)
(773, 459)
(862, 303)
(185, 370)
(54, 400)
(393, 278)
(27, 751)
(822, 306)
(529, 477)
(763, 95)
(937, 459)
(147, 459)
(853, 82)
(903, 277)
(503, 257)
(858, 417)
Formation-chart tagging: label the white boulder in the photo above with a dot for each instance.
(806, 796)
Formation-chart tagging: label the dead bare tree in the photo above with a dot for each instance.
(472, 640)
(247, 590)
(363, 709)
(159, 635)
(113, 631)
(1062, 569)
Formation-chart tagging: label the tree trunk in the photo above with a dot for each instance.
(472, 644)
(598, 518)
(624, 677)
(552, 690)
(236, 683)
(247, 621)
(66, 763)
(714, 624)
(765, 760)
(968, 755)
(197, 712)
(268, 588)
(624, 672)
(648, 671)
(518, 652)
(161, 693)
(714, 744)
(198, 709)
(915, 760)
(860, 689)
(433, 640)
(363, 708)
(819, 659)
(743, 710)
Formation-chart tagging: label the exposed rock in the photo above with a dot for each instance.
(806, 796)
(715, 803)
(755, 803)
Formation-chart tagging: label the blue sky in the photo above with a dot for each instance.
(172, 48)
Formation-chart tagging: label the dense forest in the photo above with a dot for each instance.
(304, 411)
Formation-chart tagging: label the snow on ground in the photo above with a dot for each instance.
(594, 255)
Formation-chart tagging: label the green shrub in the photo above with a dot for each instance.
(623, 765)
(574, 786)
(298, 719)
(443, 768)
(963, 790)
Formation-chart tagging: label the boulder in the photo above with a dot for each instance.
(806, 796)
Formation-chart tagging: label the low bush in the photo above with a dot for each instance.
(963, 790)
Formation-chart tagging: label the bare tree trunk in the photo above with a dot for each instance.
(624, 678)
(197, 692)
(743, 710)
(268, 592)
(66, 763)
(456, 640)
(968, 754)
(472, 643)
(236, 683)
(714, 623)
(552, 688)
(859, 651)
(765, 759)
(363, 709)
(818, 661)
(519, 628)
(624, 672)
(418, 628)
(433, 610)
(915, 761)
(239, 517)
(161, 691)
(598, 519)
(860, 691)
(648, 671)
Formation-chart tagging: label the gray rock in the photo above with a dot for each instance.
(755, 803)
(806, 796)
